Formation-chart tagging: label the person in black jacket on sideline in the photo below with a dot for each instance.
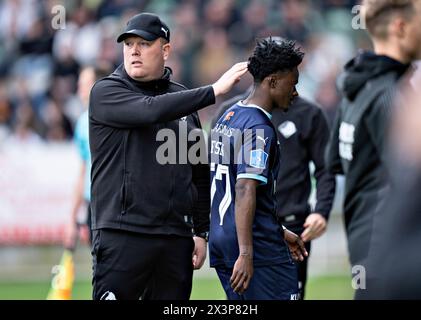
(303, 133)
(150, 219)
(358, 145)
(395, 256)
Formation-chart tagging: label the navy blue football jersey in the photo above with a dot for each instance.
(244, 145)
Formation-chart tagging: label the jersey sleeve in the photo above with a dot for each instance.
(253, 158)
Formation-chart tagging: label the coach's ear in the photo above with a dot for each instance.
(166, 48)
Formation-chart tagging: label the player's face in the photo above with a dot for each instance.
(284, 90)
(144, 60)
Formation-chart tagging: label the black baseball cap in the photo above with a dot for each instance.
(146, 25)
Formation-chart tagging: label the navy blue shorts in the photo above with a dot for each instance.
(274, 282)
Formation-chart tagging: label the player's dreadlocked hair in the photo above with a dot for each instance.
(271, 56)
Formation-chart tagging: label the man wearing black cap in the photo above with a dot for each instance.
(150, 220)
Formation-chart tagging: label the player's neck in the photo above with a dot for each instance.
(259, 98)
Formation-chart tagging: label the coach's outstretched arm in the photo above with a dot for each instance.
(114, 103)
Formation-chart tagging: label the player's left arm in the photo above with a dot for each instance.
(295, 245)
(245, 206)
(252, 170)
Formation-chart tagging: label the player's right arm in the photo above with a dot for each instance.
(245, 207)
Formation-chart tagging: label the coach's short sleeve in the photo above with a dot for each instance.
(253, 159)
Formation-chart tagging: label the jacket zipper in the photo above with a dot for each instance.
(124, 195)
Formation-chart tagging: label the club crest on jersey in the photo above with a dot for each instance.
(229, 115)
(258, 158)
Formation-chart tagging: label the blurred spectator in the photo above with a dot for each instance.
(295, 14)
(58, 126)
(25, 126)
(214, 57)
(211, 34)
(5, 113)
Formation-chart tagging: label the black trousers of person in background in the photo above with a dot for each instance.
(133, 266)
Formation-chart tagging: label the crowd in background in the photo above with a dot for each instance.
(39, 65)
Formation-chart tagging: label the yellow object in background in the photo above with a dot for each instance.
(62, 282)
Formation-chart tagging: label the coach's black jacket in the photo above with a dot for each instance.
(357, 147)
(130, 189)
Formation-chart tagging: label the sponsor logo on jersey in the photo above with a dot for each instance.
(262, 139)
(258, 158)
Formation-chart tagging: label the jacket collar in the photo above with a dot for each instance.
(163, 82)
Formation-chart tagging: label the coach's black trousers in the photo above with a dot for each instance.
(132, 266)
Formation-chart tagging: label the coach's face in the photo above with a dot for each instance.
(283, 90)
(144, 60)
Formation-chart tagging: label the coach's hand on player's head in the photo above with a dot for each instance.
(315, 226)
(295, 245)
(199, 252)
(242, 272)
(225, 83)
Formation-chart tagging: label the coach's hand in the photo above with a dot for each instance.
(70, 236)
(199, 252)
(225, 83)
(315, 226)
(295, 245)
(242, 273)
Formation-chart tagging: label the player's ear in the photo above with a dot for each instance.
(272, 82)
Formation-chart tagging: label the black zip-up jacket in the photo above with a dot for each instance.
(357, 146)
(130, 189)
(303, 133)
(306, 133)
